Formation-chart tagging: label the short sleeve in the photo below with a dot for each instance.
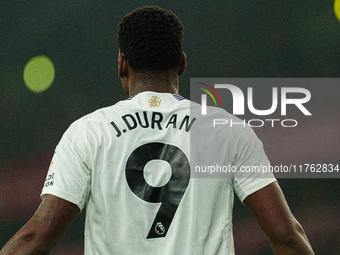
(69, 173)
(250, 160)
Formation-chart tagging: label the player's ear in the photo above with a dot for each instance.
(122, 66)
(182, 64)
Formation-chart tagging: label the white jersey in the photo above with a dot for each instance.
(130, 165)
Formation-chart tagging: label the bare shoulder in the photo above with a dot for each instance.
(53, 208)
(270, 209)
(271, 195)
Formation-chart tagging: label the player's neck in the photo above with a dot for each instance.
(162, 82)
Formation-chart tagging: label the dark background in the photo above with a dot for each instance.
(235, 38)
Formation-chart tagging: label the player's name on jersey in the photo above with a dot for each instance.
(153, 120)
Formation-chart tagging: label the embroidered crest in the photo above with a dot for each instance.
(154, 101)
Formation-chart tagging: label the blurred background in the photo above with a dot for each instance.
(233, 38)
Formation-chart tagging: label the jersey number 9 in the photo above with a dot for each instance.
(170, 195)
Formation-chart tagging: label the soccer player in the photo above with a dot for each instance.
(130, 165)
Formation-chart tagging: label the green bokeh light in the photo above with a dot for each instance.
(39, 74)
(337, 9)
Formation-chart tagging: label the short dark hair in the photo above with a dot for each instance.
(151, 38)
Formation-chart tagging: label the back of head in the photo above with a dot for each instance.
(151, 39)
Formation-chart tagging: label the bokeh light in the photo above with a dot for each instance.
(39, 74)
(337, 9)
